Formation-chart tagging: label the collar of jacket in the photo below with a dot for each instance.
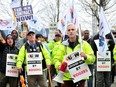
(66, 42)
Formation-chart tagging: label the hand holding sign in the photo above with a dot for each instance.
(82, 54)
(76, 66)
(63, 67)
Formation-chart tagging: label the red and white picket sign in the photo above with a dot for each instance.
(11, 69)
(34, 63)
(77, 66)
(104, 64)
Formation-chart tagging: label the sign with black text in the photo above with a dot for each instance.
(34, 63)
(77, 66)
(11, 69)
(23, 13)
(104, 64)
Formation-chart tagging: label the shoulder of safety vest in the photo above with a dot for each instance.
(37, 43)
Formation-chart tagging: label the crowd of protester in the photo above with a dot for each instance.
(53, 53)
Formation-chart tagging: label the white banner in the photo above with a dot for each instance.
(77, 67)
(6, 24)
(104, 64)
(11, 69)
(34, 63)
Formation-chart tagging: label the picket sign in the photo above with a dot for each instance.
(23, 13)
(11, 69)
(77, 66)
(104, 64)
(34, 63)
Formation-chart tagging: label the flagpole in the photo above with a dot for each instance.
(81, 41)
(80, 37)
(113, 38)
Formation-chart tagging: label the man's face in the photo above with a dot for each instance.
(71, 31)
(31, 37)
(86, 34)
(14, 34)
(40, 39)
(57, 38)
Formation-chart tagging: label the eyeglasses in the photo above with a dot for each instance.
(71, 29)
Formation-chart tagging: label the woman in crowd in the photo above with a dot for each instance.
(7, 48)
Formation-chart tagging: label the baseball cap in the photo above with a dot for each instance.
(30, 32)
(39, 35)
(57, 35)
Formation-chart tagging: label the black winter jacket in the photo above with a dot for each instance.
(110, 44)
(4, 50)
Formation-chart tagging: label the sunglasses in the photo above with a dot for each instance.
(71, 29)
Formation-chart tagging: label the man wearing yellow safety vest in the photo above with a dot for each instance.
(68, 46)
(54, 46)
(32, 47)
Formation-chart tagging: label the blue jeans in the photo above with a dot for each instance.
(103, 79)
(90, 81)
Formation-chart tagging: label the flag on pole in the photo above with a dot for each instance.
(34, 23)
(70, 12)
(61, 24)
(71, 16)
(15, 3)
(104, 30)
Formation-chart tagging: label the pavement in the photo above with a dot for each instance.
(114, 84)
(54, 83)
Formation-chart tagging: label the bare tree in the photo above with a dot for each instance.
(4, 10)
(93, 7)
(50, 11)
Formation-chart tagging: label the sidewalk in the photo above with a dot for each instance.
(114, 84)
